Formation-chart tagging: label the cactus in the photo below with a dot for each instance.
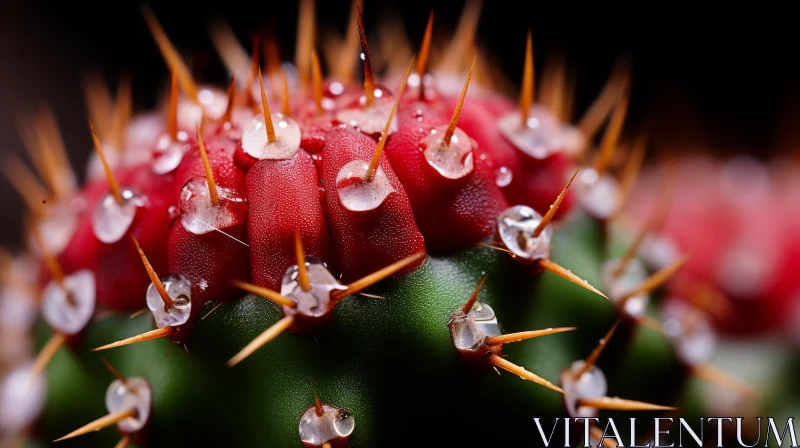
(327, 264)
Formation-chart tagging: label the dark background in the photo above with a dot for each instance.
(723, 81)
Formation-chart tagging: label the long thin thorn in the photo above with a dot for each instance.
(122, 112)
(226, 117)
(454, 119)
(300, 257)
(591, 121)
(55, 152)
(212, 310)
(285, 106)
(56, 271)
(48, 351)
(568, 275)
(25, 182)
(349, 48)
(525, 335)
(153, 276)
(526, 94)
(318, 409)
(720, 378)
(148, 336)
(212, 186)
(369, 83)
(375, 277)
(630, 172)
(621, 404)
(611, 137)
(114, 371)
(651, 323)
(265, 292)
(554, 208)
(631, 251)
(467, 307)
(99, 103)
(597, 434)
(376, 156)
(268, 335)
(172, 113)
(595, 355)
(170, 54)
(123, 442)
(316, 81)
(463, 40)
(425, 48)
(655, 280)
(265, 107)
(229, 49)
(510, 367)
(113, 186)
(100, 423)
(305, 39)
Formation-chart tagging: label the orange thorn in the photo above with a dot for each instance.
(463, 40)
(100, 423)
(51, 261)
(327, 445)
(554, 208)
(229, 49)
(231, 100)
(630, 172)
(302, 272)
(122, 112)
(521, 372)
(526, 94)
(212, 310)
(265, 108)
(49, 350)
(320, 411)
(621, 404)
(272, 54)
(172, 113)
(170, 54)
(348, 48)
(286, 109)
(54, 153)
(652, 324)
(99, 103)
(595, 355)
(631, 251)
(266, 293)
(611, 137)
(376, 156)
(425, 48)
(454, 119)
(114, 371)
(138, 313)
(123, 442)
(590, 123)
(25, 182)
(112, 181)
(501, 249)
(467, 307)
(712, 374)
(375, 277)
(525, 335)
(551, 266)
(168, 303)
(305, 39)
(316, 77)
(268, 335)
(655, 280)
(147, 336)
(212, 186)
(597, 434)
(254, 65)
(369, 83)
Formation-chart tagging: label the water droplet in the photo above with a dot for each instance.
(334, 424)
(626, 281)
(539, 139)
(110, 220)
(503, 177)
(316, 302)
(516, 226)
(690, 331)
(69, 309)
(212, 102)
(453, 161)
(372, 120)
(22, 398)
(287, 134)
(179, 289)
(598, 195)
(57, 226)
(469, 332)
(199, 216)
(167, 154)
(134, 393)
(592, 384)
(357, 195)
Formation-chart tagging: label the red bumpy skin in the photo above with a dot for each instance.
(450, 213)
(367, 240)
(284, 196)
(121, 281)
(535, 183)
(212, 259)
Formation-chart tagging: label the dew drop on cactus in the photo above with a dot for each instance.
(69, 304)
(176, 313)
(130, 393)
(22, 398)
(358, 195)
(518, 227)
